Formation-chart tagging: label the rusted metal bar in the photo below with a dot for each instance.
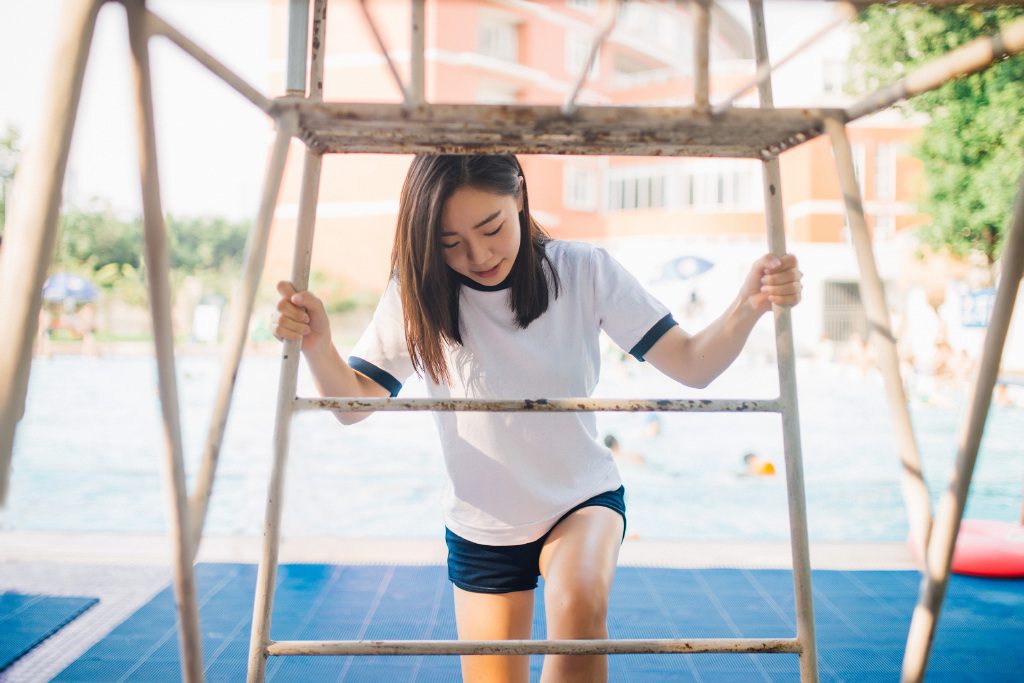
(329, 127)
(915, 491)
(159, 276)
(569, 106)
(417, 39)
(966, 59)
(406, 99)
(701, 54)
(318, 51)
(786, 361)
(951, 508)
(158, 27)
(532, 647)
(237, 327)
(298, 47)
(31, 231)
(267, 573)
(766, 69)
(539, 405)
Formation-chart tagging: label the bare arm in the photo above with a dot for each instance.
(301, 317)
(696, 360)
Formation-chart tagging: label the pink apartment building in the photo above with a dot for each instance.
(502, 51)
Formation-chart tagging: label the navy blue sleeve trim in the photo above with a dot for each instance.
(379, 376)
(652, 336)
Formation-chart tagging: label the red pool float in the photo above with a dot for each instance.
(986, 547)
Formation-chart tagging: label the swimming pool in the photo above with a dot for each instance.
(88, 456)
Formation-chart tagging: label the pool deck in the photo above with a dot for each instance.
(129, 549)
(126, 571)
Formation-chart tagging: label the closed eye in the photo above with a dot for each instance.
(492, 234)
(449, 246)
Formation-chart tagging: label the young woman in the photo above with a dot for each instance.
(486, 305)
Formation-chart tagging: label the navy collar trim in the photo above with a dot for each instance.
(473, 284)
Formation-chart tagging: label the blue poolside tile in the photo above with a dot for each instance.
(862, 620)
(27, 620)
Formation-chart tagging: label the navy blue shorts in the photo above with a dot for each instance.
(508, 568)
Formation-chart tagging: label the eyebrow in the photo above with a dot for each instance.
(478, 225)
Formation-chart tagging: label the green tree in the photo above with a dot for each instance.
(205, 243)
(97, 238)
(973, 147)
(9, 153)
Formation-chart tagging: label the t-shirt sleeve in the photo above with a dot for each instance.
(631, 316)
(381, 353)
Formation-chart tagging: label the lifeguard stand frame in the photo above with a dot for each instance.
(418, 126)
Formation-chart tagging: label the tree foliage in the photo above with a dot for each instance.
(205, 243)
(973, 147)
(9, 152)
(98, 238)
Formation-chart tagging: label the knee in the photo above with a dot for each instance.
(577, 610)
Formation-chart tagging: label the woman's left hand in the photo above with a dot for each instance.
(773, 280)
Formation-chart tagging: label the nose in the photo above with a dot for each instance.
(477, 252)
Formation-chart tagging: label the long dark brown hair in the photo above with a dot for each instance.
(430, 289)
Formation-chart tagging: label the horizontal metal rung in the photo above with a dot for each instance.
(358, 127)
(541, 405)
(532, 647)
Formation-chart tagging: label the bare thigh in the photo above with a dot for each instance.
(494, 616)
(578, 564)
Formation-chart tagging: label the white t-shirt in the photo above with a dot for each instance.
(511, 476)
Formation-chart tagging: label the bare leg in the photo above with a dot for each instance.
(578, 564)
(494, 616)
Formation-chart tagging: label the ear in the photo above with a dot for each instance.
(522, 192)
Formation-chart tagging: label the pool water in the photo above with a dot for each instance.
(89, 456)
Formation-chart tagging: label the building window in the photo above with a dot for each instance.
(658, 26)
(885, 170)
(498, 38)
(843, 314)
(588, 6)
(833, 77)
(723, 185)
(577, 50)
(637, 189)
(885, 225)
(704, 185)
(579, 188)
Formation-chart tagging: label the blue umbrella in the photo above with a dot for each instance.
(684, 268)
(64, 286)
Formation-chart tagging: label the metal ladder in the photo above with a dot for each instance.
(261, 646)
(699, 130)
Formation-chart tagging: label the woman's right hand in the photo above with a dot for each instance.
(300, 316)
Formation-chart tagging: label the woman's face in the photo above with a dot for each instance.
(480, 234)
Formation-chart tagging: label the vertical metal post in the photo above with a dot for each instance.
(701, 56)
(915, 491)
(238, 326)
(417, 83)
(800, 546)
(298, 47)
(266, 577)
(32, 226)
(158, 269)
(951, 508)
(318, 51)
(267, 574)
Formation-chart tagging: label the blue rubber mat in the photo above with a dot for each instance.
(27, 620)
(862, 622)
